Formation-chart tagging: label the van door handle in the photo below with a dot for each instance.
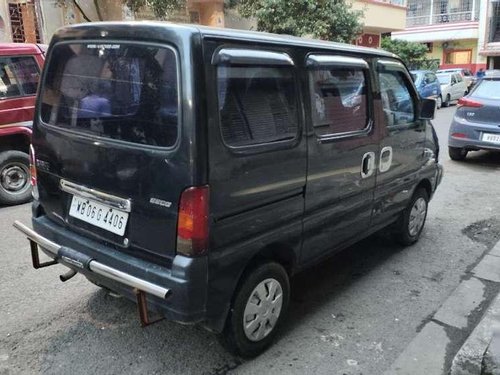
(385, 159)
(368, 164)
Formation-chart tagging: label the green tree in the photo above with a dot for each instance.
(413, 54)
(334, 20)
(161, 8)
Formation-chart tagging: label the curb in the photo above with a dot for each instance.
(429, 351)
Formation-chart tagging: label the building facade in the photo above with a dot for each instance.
(489, 39)
(458, 33)
(380, 17)
(37, 20)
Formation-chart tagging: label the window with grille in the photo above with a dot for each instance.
(256, 104)
(23, 23)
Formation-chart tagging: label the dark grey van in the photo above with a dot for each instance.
(195, 170)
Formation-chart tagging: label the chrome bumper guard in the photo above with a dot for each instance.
(84, 262)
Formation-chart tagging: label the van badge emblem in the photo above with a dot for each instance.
(160, 202)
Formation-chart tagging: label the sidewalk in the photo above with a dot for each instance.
(443, 346)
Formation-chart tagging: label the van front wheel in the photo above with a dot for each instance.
(412, 220)
(258, 309)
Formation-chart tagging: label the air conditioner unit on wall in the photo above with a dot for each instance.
(446, 45)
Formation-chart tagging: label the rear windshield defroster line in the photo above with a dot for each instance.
(123, 91)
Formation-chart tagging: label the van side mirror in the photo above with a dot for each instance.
(427, 109)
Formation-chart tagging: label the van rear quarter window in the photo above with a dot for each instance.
(256, 104)
(123, 91)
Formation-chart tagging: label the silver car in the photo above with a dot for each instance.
(465, 73)
(476, 124)
(453, 87)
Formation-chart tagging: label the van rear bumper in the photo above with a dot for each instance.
(177, 293)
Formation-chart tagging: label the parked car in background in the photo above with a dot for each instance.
(453, 87)
(476, 124)
(492, 73)
(428, 85)
(20, 66)
(466, 74)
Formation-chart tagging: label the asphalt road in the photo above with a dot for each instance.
(352, 315)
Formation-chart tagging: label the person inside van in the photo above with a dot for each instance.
(96, 104)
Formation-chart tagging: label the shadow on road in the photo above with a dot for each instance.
(486, 159)
(109, 328)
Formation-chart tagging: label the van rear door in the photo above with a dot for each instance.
(109, 160)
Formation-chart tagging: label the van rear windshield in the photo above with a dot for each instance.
(122, 91)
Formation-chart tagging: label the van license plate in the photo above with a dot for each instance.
(98, 214)
(493, 138)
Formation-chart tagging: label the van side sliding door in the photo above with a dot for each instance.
(342, 149)
(401, 157)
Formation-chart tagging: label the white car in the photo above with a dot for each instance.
(466, 74)
(453, 87)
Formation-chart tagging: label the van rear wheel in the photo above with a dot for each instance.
(15, 187)
(412, 219)
(258, 309)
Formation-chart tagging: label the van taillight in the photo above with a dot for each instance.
(33, 177)
(192, 222)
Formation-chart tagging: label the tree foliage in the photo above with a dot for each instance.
(161, 8)
(413, 54)
(334, 20)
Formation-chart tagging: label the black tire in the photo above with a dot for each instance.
(234, 337)
(439, 102)
(403, 233)
(446, 103)
(15, 185)
(457, 153)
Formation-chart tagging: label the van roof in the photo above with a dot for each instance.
(213, 32)
(20, 49)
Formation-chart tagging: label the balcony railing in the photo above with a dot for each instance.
(441, 18)
(401, 3)
(435, 12)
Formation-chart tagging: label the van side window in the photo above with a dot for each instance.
(397, 102)
(18, 76)
(256, 104)
(339, 102)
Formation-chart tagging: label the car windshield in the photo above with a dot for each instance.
(444, 79)
(488, 89)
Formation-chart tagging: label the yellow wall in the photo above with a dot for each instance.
(380, 17)
(211, 12)
(437, 50)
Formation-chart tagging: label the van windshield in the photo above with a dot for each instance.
(122, 91)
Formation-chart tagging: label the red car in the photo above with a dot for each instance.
(20, 67)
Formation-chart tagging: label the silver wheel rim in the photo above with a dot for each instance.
(262, 310)
(14, 178)
(417, 216)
